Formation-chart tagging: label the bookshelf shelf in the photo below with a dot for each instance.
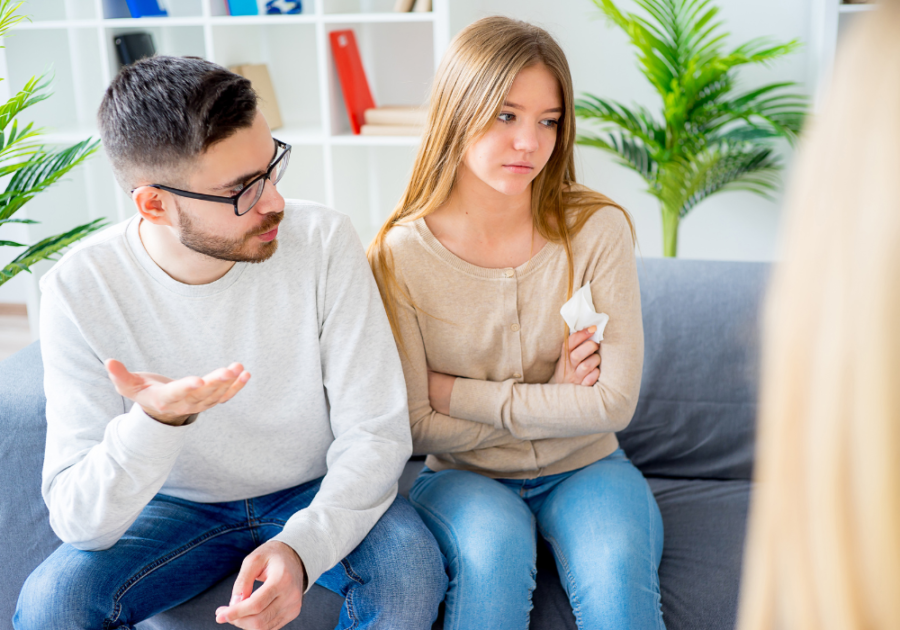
(150, 22)
(855, 8)
(373, 18)
(361, 176)
(375, 141)
(41, 25)
(250, 20)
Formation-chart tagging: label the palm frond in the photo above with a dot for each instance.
(44, 170)
(47, 248)
(709, 137)
(8, 17)
(35, 91)
(629, 152)
(728, 166)
(638, 122)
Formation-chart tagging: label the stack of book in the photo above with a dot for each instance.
(418, 6)
(394, 121)
(365, 117)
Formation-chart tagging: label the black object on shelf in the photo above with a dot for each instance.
(133, 46)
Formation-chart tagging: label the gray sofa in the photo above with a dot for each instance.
(692, 436)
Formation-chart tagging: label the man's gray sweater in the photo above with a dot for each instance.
(326, 395)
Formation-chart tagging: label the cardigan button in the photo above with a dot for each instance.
(514, 328)
(517, 375)
(510, 273)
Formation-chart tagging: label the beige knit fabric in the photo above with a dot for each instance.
(500, 331)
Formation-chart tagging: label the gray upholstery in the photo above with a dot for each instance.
(695, 416)
(692, 436)
(26, 535)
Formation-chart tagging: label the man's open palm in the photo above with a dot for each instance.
(173, 401)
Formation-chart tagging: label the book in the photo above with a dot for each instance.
(146, 8)
(397, 115)
(258, 74)
(392, 130)
(243, 7)
(402, 6)
(284, 7)
(352, 76)
(422, 6)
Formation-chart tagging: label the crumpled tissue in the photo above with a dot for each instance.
(579, 313)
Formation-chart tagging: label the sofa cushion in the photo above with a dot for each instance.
(697, 408)
(24, 520)
(704, 527)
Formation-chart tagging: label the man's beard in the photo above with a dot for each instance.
(246, 248)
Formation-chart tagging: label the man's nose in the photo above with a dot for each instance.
(271, 201)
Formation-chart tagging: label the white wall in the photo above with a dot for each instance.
(728, 226)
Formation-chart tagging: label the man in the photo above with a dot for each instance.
(157, 486)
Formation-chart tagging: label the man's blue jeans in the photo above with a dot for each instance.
(601, 522)
(177, 549)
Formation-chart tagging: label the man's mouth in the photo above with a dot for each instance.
(269, 236)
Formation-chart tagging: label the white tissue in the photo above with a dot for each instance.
(579, 313)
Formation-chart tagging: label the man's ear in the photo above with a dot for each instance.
(154, 205)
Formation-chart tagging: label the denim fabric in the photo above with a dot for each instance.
(602, 525)
(178, 549)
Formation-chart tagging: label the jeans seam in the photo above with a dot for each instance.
(351, 611)
(651, 500)
(353, 575)
(161, 562)
(573, 595)
(248, 507)
(452, 536)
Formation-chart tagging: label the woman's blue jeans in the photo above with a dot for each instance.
(601, 522)
(177, 549)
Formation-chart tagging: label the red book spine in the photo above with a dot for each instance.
(354, 85)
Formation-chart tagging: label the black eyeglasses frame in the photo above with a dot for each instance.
(233, 201)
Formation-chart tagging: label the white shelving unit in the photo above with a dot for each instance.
(360, 176)
(830, 21)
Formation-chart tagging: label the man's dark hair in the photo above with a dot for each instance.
(161, 112)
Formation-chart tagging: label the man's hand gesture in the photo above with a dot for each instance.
(274, 604)
(173, 402)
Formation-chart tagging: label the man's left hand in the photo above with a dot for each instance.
(274, 604)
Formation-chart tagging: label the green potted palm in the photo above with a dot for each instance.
(32, 167)
(709, 136)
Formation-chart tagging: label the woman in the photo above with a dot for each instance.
(823, 546)
(491, 237)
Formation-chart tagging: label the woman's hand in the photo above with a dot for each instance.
(582, 365)
(440, 386)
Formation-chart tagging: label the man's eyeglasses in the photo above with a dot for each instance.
(244, 200)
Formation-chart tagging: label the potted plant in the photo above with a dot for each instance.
(31, 166)
(708, 137)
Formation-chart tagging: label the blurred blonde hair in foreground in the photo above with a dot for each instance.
(823, 546)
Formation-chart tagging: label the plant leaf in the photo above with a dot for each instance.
(46, 248)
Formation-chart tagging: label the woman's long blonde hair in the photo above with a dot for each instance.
(823, 548)
(471, 84)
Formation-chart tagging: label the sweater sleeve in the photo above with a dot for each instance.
(105, 458)
(434, 433)
(537, 411)
(367, 398)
